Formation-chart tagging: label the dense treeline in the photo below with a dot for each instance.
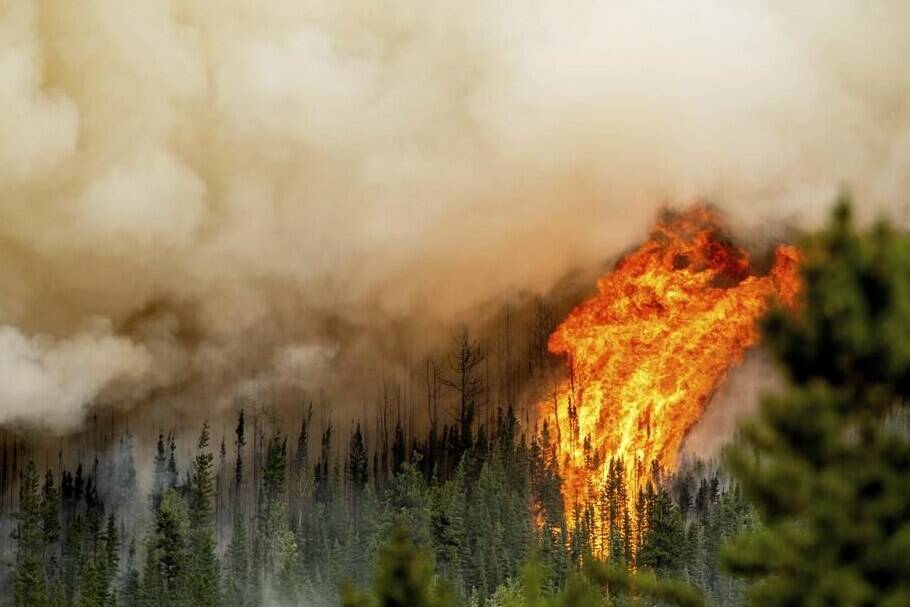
(480, 503)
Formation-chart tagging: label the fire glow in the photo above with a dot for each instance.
(648, 350)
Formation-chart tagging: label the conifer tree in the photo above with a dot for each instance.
(276, 558)
(164, 582)
(239, 444)
(171, 475)
(130, 588)
(357, 471)
(110, 560)
(404, 578)
(829, 477)
(50, 528)
(29, 581)
(203, 562)
(663, 548)
(159, 473)
(237, 574)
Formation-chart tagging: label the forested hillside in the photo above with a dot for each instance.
(471, 512)
(277, 527)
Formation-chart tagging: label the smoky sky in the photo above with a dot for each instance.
(208, 191)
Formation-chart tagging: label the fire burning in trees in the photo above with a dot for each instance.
(646, 353)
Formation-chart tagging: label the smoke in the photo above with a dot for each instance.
(49, 382)
(246, 189)
(738, 397)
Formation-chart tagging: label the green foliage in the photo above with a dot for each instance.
(830, 480)
(404, 578)
(202, 566)
(29, 583)
(165, 578)
(664, 545)
(595, 585)
(237, 574)
(130, 593)
(645, 584)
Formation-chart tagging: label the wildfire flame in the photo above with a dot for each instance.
(648, 350)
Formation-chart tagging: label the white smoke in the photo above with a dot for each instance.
(48, 383)
(217, 178)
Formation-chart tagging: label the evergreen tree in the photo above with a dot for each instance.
(203, 563)
(171, 475)
(50, 528)
(663, 548)
(239, 444)
(829, 477)
(29, 574)
(130, 591)
(237, 574)
(164, 582)
(276, 558)
(110, 558)
(404, 578)
(159, 478)
(357, 470)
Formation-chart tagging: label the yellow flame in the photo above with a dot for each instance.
(648, 350)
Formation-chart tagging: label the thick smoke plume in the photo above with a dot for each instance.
(242, 189)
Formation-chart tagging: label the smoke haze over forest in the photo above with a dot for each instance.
(198, 196)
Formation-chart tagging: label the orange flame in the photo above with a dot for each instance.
(648, 350)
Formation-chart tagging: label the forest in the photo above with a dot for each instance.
(809, 505)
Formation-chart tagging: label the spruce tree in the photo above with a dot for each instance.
(664, 544)
(276, 554)
(239, 444)
(357, 471)
(828, 476)
(29, 575)
(165, 579)
(404, 578)
(159, 473)
(203, 562)
(171, 476)
(237, 573)
(130, 589)
(110, 558)
(50, 528)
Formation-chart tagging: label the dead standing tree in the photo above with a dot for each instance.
(464, 360)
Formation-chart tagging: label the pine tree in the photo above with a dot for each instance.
(828, 476)
(357, 465)
(663, 548)
(73, 552)
(29, 576)
(404, 578)
(239, 444)
(237, 574)
(449, 528)
(50, 527)
(203, 562)
(276, 545)
(110, 560)
(159, 478)
(171, 475)
(130, 593)
(165, 583)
